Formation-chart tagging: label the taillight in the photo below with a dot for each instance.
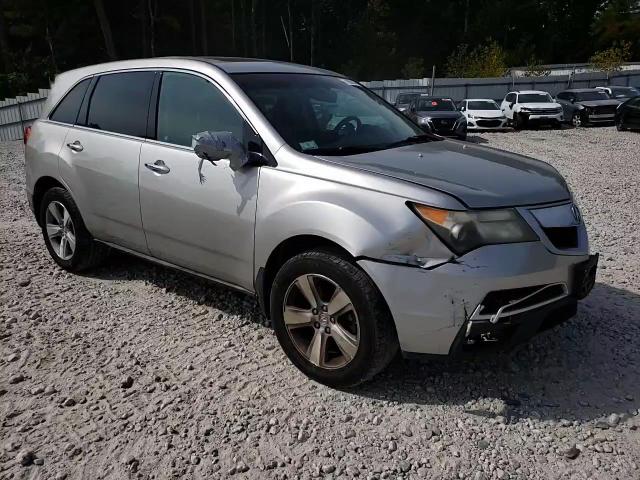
(27, 134)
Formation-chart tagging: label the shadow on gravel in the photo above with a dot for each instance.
(123, 267)
(585, 369)
(582, 370)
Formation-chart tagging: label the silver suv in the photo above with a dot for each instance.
(359, 234)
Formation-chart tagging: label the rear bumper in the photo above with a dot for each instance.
(434, 309)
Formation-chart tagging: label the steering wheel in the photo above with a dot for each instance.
(346, 126)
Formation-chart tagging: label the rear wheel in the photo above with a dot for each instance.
(331, 320)
(67, 239)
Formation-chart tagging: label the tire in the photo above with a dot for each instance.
(620, 126)
(377, 341)
(85, 253)
(576, 120)
(518, 123)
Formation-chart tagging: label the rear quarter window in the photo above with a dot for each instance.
(120, 103)
(67, 109)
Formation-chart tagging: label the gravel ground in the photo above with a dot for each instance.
(138, 371)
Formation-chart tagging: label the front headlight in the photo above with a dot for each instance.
(525, 109)
(470, 116)
(463, 231)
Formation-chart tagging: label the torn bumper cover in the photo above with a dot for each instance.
(497, 294)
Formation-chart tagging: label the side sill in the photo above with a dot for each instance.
(176, 267)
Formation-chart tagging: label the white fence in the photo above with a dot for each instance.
(496, 88)
(18, 113)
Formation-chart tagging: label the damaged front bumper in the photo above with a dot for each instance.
(495, 295)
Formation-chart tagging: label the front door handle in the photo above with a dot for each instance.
(158, 167)
(75, 146)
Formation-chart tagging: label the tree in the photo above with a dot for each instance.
(612, 59)
(487, 60)
(535, 68)
(105, 26)
(414, 68)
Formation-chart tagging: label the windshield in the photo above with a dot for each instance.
(617, 92)
(325, 115)
(404, 98)
(435, 105)
(482, 105)
(534, 98)
(590, 96)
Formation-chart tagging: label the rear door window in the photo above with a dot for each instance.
(67, 109)
(120, 103)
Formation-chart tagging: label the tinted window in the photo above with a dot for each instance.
(511, 97)
(618, 92)
(590, 96)
(67, 109)
(483, 105)
(436, 105)
(563, 96)
(120, 103)
(325, 115)
(189, 105)
(534, 98)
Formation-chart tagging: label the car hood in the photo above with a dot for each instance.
(536, 106)
(486, 113)
(479, 177)
(598, 103)
(453, 114)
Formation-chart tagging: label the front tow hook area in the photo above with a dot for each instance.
(585, 276)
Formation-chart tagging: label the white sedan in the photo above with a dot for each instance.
(483, 114)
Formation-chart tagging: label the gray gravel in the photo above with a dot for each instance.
(137, 371)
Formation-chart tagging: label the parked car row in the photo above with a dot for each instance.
(522, 108)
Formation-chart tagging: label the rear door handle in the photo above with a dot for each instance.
(158, 167)
(75, 146)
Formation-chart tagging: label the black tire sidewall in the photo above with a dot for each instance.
(367, 310)
(83, 239)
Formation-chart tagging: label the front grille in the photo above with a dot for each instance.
(604, 110)
(499, 298)
(443, 124)
(543, 111)
(562, 237)
(488, 123)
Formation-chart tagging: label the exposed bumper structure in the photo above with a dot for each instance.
(483, 296)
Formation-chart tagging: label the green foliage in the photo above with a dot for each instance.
(414, 68)
(367, 39)
(487, 60)
(535, 68)
(612, 59)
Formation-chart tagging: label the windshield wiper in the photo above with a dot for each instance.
(412, 140)
(344, 150)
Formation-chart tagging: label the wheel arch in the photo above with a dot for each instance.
(285, 250)
(42, 185)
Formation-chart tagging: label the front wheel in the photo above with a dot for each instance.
(518, 122)
(576, 120)
(331, 320)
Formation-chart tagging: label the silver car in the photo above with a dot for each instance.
(359, 234)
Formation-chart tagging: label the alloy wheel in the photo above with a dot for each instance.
(60, 230)
(576, 120)
(321, 321)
